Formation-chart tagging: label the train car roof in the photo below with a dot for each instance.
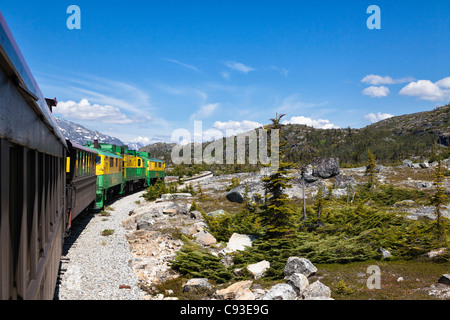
(80, 147)
(24, 78)
(156, 160)
(105, 153)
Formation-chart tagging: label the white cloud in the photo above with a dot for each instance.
(444, 83)
(427, 90)
(84, 110)
(182, 64)
(377, 80)
(235, 127)
(372, 117)
(319, 124)
(376, 92)
(239, 66)
(205, 111)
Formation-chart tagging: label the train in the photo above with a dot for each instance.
(47, 181)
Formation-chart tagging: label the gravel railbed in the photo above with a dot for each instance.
(95, 267)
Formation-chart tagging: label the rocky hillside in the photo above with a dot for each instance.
(417, 136)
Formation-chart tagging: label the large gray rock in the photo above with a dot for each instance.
(325, 167)
(299, 265)
(255, 190)
(317, 290)
(445, 279)
(299, 282)
(407, 163)
(144, 221)
(281, 291)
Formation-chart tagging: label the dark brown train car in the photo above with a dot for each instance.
(81, 179)
(32, 181)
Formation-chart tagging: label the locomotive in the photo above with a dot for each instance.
(46, 181)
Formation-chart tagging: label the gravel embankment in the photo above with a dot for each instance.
(95, 267)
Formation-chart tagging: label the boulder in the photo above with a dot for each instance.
(144, 221)
(424, 184)
(445, 279)
(238, 242)
(299, 282)
(197, 284)
(258, 269)
(129, 223)
(195, 214)
(424, 165)
(254, 192)
(385, 253)
(444, 139)
(281, 291)
(325, 167)
(299, 265)
(235, 291)
(205, 238)
(407, 163)
(316, 290)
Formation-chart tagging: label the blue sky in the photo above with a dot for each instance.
(145, 68)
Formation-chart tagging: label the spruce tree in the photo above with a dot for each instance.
(276, 213)
(371, 170)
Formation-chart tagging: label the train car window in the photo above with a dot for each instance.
(139, 162)
(98, 160)
(111, 162)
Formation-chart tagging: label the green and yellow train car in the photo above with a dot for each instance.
(154, 168)
(120, 170)
(135, 167)
(109, 171)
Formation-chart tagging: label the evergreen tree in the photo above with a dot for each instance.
(318, 206)
(276, 213)
(371, 170)
(439, 199)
